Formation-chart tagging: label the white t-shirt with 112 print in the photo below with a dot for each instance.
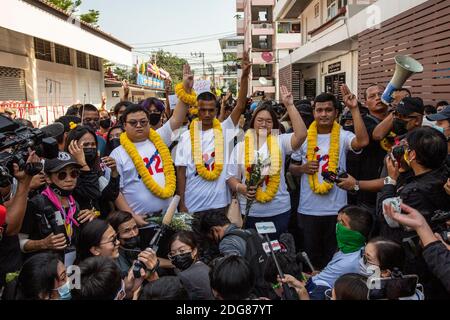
(236, 168)
(201, 194)
(138, 197)
(323, 205)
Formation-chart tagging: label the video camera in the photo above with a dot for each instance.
(332, 177)
(15, 142)
(438, 224)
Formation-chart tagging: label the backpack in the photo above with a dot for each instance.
(257, 259)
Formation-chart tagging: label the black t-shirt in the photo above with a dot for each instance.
(37, 225)
(371, 162)
(10, 257)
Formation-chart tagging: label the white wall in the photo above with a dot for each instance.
(74, 82)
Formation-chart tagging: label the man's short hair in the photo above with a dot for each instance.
(121, 104)
(134, 108)
(360, 219)
(370, 86)
(86, 107)
(327, 97)
(206, 96)
(214, 218)
(442, 103)
(430, 146)
(100, 279)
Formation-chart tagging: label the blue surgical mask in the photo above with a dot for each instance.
(64, 292)
(435, 126)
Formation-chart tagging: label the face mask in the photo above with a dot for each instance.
(105, 124)
(64, 292)
(366, 269)
(434, 126)
(114, 143)
(183, 261)
(90, 155)
(349, 128)
(59, 191)
(131, 243)
(348, 240)
(399, 127)
(155, 118)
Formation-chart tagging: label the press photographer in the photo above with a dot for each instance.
(436, 251)
(18, 164)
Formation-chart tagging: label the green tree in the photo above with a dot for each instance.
(90, 17)
(172, 64)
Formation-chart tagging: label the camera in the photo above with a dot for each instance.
(398, 152)
(332, 177)
(15, 142)
(392, 288)
(438, 224)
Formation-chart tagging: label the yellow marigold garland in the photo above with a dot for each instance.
(275, 167)
(325, 187)
(197, 153)
(169, 171)
(189, 99)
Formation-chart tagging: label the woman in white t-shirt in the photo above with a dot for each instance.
(271, 199)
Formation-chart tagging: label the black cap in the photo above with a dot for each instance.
(409, 105)
(304, 108)
(443, 115)
(54, 130)
(63, 160)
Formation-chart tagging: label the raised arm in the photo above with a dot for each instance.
(181, 108)
(350, 100)
(298, 125)
(242, 97)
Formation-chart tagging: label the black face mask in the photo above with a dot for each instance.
(59, 191)
(155, 118)
(399, 127)
(114, 143)
(105, 124)
(132, 243)
(183, 261)
(90, 155)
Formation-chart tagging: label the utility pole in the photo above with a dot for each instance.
(200, 55)
(211, 68)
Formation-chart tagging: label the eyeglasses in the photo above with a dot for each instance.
(113, 240)
(134, 123)
(179, 251)
(121, 294)
(73, 174)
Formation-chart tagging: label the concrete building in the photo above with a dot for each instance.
(51, 59)
(258, 28)
(355, 42)
(229, 47)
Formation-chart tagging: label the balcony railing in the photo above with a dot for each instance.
(262, 29)
(289, 40)
(240, 5)
(266, 57)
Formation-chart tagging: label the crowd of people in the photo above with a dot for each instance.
(358, 191)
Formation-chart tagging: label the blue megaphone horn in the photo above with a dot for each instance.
(405, 67)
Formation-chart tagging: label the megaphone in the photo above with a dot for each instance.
(405, 67)
(263, 81)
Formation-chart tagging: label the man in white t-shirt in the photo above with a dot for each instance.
(317, 213)
(137, 198)
(196, 193)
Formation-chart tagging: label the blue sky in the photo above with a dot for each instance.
(144, 21)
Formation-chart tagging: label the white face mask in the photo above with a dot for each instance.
(440, 129)
(366, 269)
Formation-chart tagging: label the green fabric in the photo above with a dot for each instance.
(348, 240)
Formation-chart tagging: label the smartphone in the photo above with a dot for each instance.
(392, 288)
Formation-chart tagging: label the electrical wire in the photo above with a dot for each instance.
(181, 39)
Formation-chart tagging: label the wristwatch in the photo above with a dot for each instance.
(389, 180)
(356, 187)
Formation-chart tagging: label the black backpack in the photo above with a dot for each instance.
(257, 259)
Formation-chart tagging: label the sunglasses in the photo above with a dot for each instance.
(73, 174)
(134, 123)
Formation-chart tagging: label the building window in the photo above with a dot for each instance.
(81, 60)
(316, 10)
(42, 49)
(94, 63)
(331, 9)
(62, 55)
